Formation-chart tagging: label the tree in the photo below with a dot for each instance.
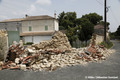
(60, 19)
(118, 31)
(81, 28)
(72, 33)
(112, 35)
(67, 19)
(102, 23)
(86, 30)
(94, 18)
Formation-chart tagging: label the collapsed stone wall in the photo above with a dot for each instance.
(59, 41)
(44, 56)
(97, 39)
(3, 44)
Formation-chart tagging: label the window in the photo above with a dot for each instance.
(46, 28)
(30, 28)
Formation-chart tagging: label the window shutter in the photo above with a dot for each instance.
(46, 28)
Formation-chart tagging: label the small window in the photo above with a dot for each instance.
(30, 28)
(46, 28)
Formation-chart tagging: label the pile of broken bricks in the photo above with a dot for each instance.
(59, 41)
(50, 58)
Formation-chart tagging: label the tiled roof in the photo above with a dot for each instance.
(98, 27)
(43, 17)
(46, 33)
(12, 20)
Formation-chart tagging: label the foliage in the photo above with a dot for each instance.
(29, 43)
(94, 18)
(115, 35)
(112, 35)
(102, 23)
(72, 33)
(67, 19)
(61, 28)
(78, 28)
(107, 44)
(118, 31)
(87, 29)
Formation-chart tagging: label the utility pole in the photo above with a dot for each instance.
(105, 19)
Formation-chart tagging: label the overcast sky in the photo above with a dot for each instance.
(18, 8)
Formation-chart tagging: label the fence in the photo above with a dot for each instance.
(79, 44)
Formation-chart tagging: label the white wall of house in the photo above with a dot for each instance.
(28, 39)
(39, 25)
(56, 25)
(36, 39)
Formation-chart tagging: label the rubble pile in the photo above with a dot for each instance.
(14, 52)
(49, 60)
(3, 44)
(59, 41)
(49, 57)
(93, 40)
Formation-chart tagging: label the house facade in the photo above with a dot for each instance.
(99, 30)
(39, 24)
(33, 28)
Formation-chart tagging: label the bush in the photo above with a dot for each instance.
(61, 28)
(29, 43)
(107, 44)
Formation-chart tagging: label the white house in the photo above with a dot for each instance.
(38, 28)
(32, 28)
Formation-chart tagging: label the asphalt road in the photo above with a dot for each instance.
(106, 70)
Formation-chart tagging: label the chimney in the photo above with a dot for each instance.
(26, 15)
(55, 15)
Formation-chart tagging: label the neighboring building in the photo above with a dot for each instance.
(13, 28)
(32, 28)
(99, 31)
(11, 24)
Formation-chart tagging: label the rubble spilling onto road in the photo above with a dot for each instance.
(53, 54)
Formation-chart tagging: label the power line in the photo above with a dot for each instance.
(116, 20)
(100, 2)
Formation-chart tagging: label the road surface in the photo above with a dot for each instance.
(107, 70)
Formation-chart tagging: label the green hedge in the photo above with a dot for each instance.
(29, 43)
(107, 44)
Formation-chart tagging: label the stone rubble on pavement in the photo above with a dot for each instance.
(53, 54)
